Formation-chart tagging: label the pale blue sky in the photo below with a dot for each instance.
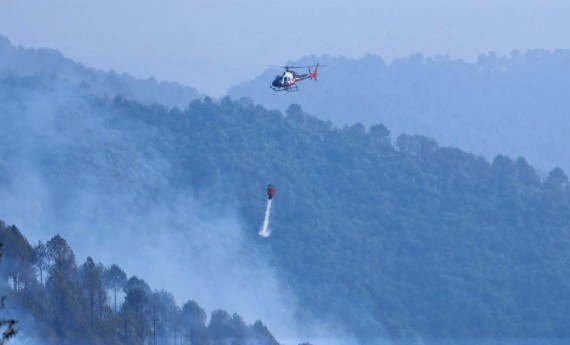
(214, 44)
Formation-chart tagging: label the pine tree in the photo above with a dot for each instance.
(115, 279)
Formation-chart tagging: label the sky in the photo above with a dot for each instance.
(215, 44)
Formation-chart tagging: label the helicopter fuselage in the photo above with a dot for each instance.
(287, 79)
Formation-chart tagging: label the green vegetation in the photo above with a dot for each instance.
(401, 239)
(405, 240)
(71, 305)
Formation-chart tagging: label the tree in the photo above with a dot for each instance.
(65, 295)
(224, 329)
(296, 115)
(416, 145)
(19, 257)
(258, 334)
(115, 279)
(91, 277)
(10, 324)
(380, 135)
(193, 323)
(357, 131)
(61, 255)
(164, 313)
(135, 310)
(526, 174)
(557, 178)
(42, 259)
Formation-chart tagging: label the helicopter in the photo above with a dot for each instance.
(288, 80)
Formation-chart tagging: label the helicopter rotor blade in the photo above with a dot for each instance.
(293, 67)
(309, 66)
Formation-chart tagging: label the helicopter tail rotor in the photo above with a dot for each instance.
(313, 75)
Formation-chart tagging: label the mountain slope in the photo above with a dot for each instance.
(94, 172)
(403, 240)
(514, 105)
(51, 63)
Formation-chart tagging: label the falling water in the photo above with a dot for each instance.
(265, 232)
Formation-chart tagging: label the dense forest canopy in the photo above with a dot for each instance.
(386, 237)
(515, 105)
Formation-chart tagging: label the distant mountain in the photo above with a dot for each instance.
(381, 237)
(516, 105)
(51, 63)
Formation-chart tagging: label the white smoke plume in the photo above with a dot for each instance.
(265, 231)
(127, 212)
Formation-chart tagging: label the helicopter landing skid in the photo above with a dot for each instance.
(293, 88)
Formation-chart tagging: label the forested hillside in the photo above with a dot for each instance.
(52, 64)
(405, 240)
(516, 105)
(385, 238)
(61, 301)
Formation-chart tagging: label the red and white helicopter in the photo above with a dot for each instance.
(288, 80)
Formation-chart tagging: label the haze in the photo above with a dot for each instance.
(212, 45)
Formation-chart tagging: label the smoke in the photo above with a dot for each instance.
(265, 231)
(91, 175)
(108, 193)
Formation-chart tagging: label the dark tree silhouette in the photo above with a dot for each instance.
(42, 259)
(115, 279)
(7, 326)
(193, 323)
